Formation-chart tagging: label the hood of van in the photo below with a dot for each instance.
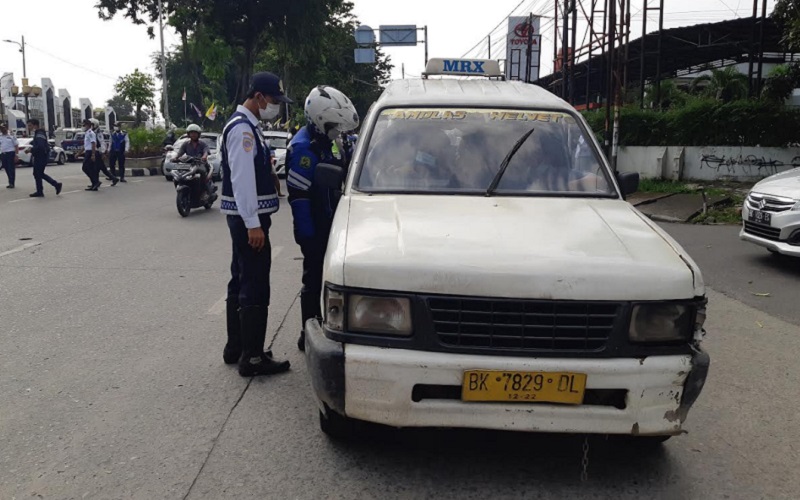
(536, 248)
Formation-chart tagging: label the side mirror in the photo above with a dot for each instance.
(628, 182)
(329, 176)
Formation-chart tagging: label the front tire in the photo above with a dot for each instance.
(184, 203)
(337, 426)
(62, 159)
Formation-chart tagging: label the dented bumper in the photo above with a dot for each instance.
(409, 388)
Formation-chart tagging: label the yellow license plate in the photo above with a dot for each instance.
(523, 387)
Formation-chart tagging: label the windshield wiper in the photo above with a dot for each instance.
(506, 161)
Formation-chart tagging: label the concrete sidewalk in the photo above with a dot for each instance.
(669, 207)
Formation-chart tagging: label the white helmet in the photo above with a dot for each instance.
(95, 122)
(194, 128)
(330, 111)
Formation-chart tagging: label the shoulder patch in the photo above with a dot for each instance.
(305, 162)
(248, 141)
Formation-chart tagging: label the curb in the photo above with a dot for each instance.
(143, 172)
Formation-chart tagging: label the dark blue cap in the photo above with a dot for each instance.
(268, 84)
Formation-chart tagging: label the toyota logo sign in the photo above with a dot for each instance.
(521, 30)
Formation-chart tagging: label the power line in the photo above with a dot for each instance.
(68, 62)
(494, 29)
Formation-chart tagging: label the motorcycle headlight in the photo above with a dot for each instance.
(381, 315)
(665, 322)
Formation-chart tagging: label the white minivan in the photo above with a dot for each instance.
(485, 271)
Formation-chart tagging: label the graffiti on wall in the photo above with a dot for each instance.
(749, 165)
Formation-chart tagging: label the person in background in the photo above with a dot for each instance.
(120, 145)
(169, 140)
(89, 152)
(40, 155)
(329, 114)
(9, 154)
(100, 165)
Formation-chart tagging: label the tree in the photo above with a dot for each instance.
(787, 13)
(724, 85)
(139, 89)
(781, 82)
(243, 26)
(669, 96)
(121, 106)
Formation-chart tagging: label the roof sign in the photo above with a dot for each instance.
(463, 67)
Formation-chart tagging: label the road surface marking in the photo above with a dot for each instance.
(219, 306)
(20, 248)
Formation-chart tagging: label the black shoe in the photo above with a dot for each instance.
(114, 182)
(95, 187)
(121, 179)
(90, 188)
(301, 342)
(36, 195)
(261, 365)
(10, 186)
(59, 186)
(109, 178)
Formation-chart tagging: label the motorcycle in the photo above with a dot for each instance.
(190, 185)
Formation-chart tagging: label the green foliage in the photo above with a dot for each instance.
(146, 142)
(787, 13)
(781, 82)
(724, 85)
(704, 122)
(138, 88)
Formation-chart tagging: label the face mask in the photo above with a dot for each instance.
(270, 112)
(116, 129)
(333, 134)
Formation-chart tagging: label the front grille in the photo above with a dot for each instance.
(766, 232)
(523, 325)
(770, 203)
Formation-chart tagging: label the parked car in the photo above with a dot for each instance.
(278, 141)
(74, 147)
(771, 214)
(211, 139)
(485, 271)
(67, 134)
(57, 154)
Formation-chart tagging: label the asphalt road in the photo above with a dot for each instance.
(112, 383)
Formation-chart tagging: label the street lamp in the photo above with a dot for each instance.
(24, 70)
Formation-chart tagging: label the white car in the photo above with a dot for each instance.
(278, 141)
(771, 214)
(57, 155)
(485, 271)
(211, 139)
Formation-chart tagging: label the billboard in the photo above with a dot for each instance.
(517, 64)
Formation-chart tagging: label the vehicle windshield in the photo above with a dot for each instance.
(69, 136)
(277, 142)
(460, 151)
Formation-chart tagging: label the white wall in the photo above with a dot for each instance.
(706, 162)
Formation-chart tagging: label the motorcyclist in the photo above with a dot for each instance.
(329, 114)
(196, 148)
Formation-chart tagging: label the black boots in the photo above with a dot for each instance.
(233, 349)
(254, 361)
(301, 342)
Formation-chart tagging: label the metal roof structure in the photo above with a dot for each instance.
(469, 92)
(683, 51)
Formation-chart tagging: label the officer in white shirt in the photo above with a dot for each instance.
(89, 153)
(9, 153)
(248, 199)
(100, 165)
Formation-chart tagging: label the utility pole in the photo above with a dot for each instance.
(610, 88)
(529, 51)
(163, 64)
(489, 44)
(24, 71)
(403, 70)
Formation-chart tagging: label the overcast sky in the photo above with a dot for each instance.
(57, 30)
